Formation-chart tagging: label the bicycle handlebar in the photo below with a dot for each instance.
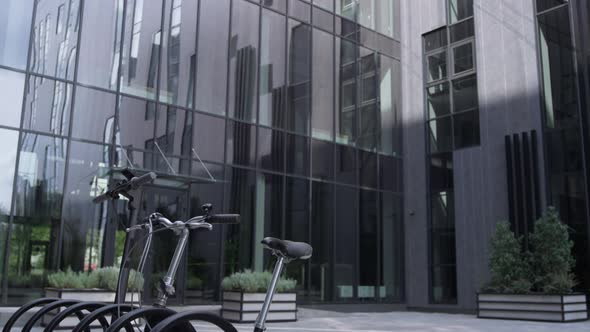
(224, 219)
(125, 186)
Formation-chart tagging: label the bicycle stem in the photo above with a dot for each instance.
(166, 287)
(261, 320)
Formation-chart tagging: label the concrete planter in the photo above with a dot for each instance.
(533, 307)
(242, 307)
(87, 295)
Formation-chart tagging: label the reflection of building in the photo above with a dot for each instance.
(295, 107)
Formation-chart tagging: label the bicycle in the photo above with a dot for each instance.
(159, 318)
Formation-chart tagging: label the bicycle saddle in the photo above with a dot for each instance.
(289, 249)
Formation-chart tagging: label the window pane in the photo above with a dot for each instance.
(437, 66)
(392, 247)
(441, 135)
(141, 48)
(438, 100)
(37, 214)
(327, 4)
(323, 19)
(212, 58)
(543, 5)
(208, 137)
(346, 28)
(297, 155)
(322, 159)
(7, 163)
(368, 113)
(297, 225)
(100, 43)
(278, 5)
(463, 58)
(271, 149)
(461, 31)
(94, 115)
(137, 124)
(368, 244)
(299, 10)
(385, 17)
(12, 85)
(389, 104)
(322, 239)
(390, 173)
(174, 127)
(298, 104)
(444, 284)
(435, 39)
(55, 38)
(366, 14)
(368, 169)
(322, 120)
(48, 105)
(346, 80)
(82, 243)
(347, 8)
(345, 253)
(269, 216)
(272, 69)
(346, 164)
(14, 32)
(243, 61)
(465, 94)
(441, 172)
(177, 73)
(240, 197)
(460, 9)
(442, 207)
(241, 144)
(466, 126)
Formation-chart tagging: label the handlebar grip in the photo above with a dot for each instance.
(139, 181)
(224, 219)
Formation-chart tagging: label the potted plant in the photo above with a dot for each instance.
(535, 285)
(96, 286)
(244, 293)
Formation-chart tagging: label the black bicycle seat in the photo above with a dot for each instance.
(289, 249)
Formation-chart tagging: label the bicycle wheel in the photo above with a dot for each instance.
(151, 316)
(26, 307)
(77, 309)
(173, 322)
(46, 309)
(111, 309)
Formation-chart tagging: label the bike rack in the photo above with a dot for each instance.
(152, 315)
(26, 307)
(77, 310)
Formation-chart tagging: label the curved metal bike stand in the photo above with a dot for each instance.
(77, 310)
(152, 315)
(100, 313)
(172, 323)
(46, 309)
(26, 307)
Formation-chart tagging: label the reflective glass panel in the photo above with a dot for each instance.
(462, 30)
(443, 245)
(441, 135)
(322, 239)
(368, 112)
(269, 216)
(297, 225)
(438, 100)
(12, 85)
(327, 4)
(14, 32)
(465, 94)
(368, 169)
(444, 284)
(100, 48)
(437, 66)
(345, 243)
(48, 105)
(466, 128)
(346, 171)
(208, 137)
(346, 80)
(297, 117)
(177, 72)
(243, 61)
(94, 115)
(322, 118)
(543, 5)
(278, 5)
(441, 172)
(142, 42)
(299, 10)
(435, 39)
(136, 125)
(391, 247)
(368, 245)
(271, 149)
(212, 58)
(272, 69)
(297, 155)
(323, 19)
(463, 58)
(55, 38)
(241, 144)
(389, 105)
(322, 159)
(459, 10)
(442, 207)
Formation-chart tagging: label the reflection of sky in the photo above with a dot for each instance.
(15, 22)
(11, 93)
(9, 141)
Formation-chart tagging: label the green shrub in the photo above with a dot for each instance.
(103, 278)
(255, 282)
(509, 267)
(552, 259)
(193, 282)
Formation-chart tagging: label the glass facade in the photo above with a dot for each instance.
(292, 106)
(452, 122)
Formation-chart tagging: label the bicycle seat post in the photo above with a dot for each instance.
(261, 320)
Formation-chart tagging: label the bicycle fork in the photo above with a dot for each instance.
(166, 286)
(261, 320)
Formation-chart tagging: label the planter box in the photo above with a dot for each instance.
(244, 307)
(548, 308)
(86, 295)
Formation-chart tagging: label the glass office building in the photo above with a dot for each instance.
(287, 112)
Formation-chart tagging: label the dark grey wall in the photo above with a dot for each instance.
(509, 100)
